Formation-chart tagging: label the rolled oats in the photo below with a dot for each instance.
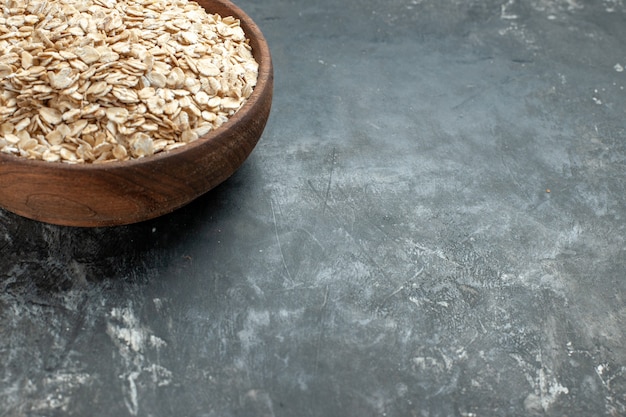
(103, 80)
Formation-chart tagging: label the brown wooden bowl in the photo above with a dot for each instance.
(127, 192)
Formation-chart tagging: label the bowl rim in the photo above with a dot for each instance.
(265, 74)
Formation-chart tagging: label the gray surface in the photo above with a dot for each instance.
(389, 249)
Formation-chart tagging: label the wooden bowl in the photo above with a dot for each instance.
(118, 193)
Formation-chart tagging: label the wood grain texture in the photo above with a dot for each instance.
(93, 195)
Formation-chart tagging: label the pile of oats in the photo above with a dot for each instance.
(86, 81)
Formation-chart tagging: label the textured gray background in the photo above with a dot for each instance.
(389, 248)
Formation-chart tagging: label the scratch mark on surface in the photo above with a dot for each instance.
(318, 346)
(330, 180)
(400, 288)
(514, 177)
(280, 246)
(313, 238)
(467, 100)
